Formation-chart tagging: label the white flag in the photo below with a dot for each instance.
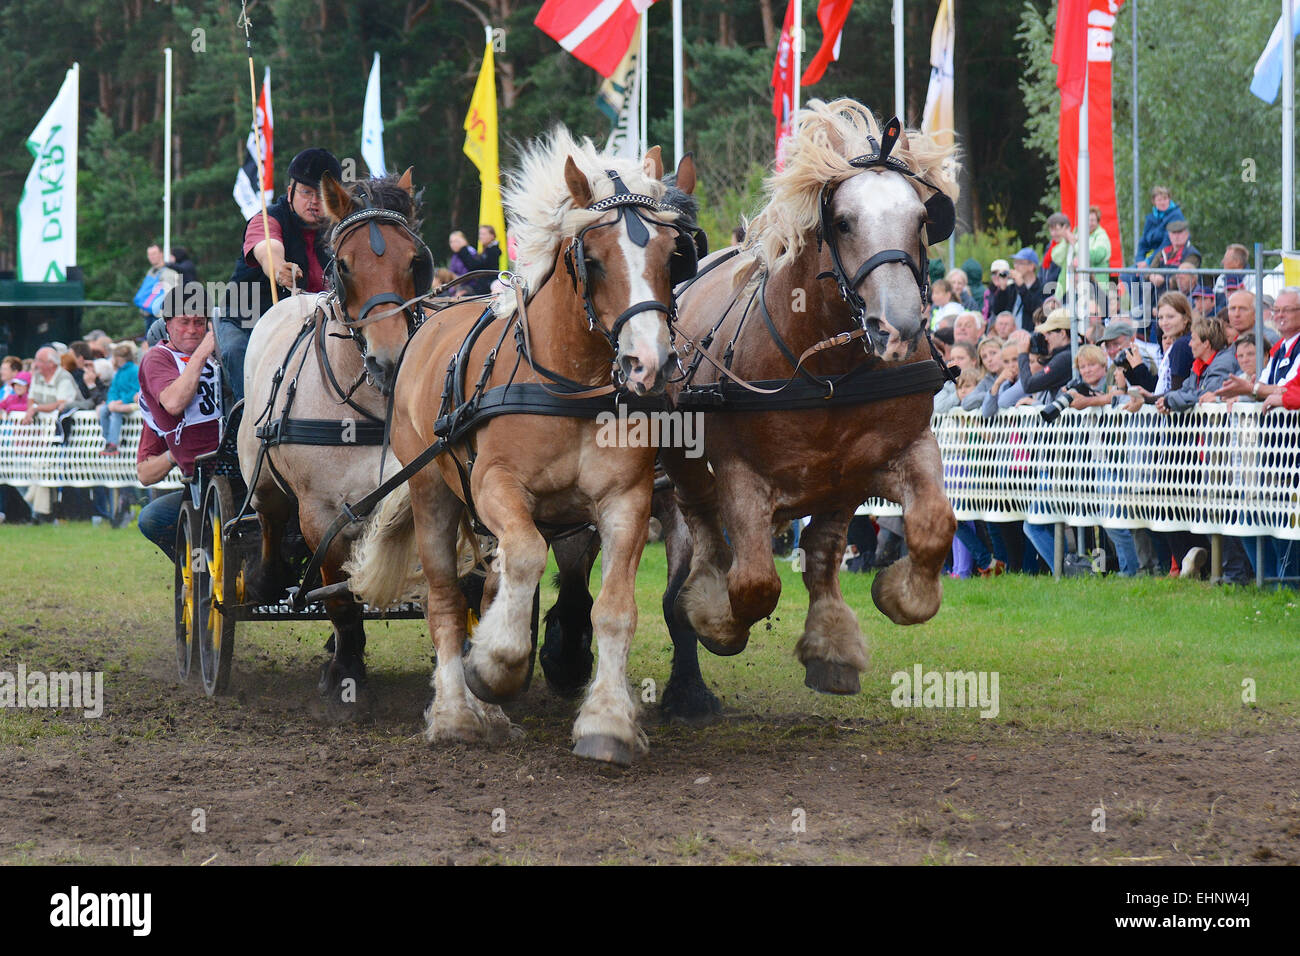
(1267, 79)
(47, 212)
(372, 125)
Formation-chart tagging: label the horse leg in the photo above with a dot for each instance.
(566, 651)
(606, 728)
(454, 715)
(343, 677)
(910, 591)
(687, 697)
(497, 664)
(267, 581)
(831, 649)
(702, 601)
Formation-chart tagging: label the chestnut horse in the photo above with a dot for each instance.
(324, 380)
(599, 253)
(832, 280)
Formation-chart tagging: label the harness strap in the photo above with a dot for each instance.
(848, 389)
(322, 356)
(321, 432)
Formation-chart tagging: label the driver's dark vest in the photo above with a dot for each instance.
(242, 297)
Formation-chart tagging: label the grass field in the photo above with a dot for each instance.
(1098, 655)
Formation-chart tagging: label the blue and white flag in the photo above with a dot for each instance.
(1268, 69)
(372, 125)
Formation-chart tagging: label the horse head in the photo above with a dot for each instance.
(381, 266)
(623, 264)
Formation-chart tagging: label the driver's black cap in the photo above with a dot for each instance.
(311, 164)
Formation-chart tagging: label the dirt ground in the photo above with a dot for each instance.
(170, 777)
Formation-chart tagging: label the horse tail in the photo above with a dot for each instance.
(384, 569)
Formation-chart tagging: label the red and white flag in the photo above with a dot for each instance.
(783, 84)
(246, 196)
(831, 14)
(597, 32)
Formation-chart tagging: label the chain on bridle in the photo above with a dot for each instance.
(684, 262)
(940, 220)
(422, 273)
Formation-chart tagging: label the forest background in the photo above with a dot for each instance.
(1201, 132)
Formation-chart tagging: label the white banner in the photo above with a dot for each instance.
(47, 212)
(372, 125)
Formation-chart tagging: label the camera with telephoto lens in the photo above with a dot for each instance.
(1062, 401)
(1038, 345)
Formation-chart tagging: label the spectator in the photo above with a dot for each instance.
(1155, 231)
(967, 327)
(999, 283)
(180, 389)
(957, 281)
(1026, 292)
(1058, 251)
(121, 398)
(942, 301)
(1098, 250)
(183, 264)
(157, 280)
(99, 342)
(1056, 331)
(1236, 256)
(463, 257)
(1004, 325)
(1282, 364)
(53, 389)
(1241, 314)
(975, 283)
(1178, 250)
(1213, 364)
(990, 366)
(1174, 313)
(1137, 361)
(16, 399)
(10, 366)
(489, 257)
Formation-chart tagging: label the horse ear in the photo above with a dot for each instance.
(653, 165)
(405, 181)
(338, 201)
(686, 173)
(902, 137)
(579, 187)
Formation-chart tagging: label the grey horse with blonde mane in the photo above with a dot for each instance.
(826, 307)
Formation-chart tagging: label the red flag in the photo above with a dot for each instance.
(783, 82)
(1101, 145)
(831, 14)
(1067, 50)
(597, 32)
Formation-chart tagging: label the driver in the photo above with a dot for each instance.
(180, 402)
(296, 246)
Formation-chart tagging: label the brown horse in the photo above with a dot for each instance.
(325, 381)
(842, 202)
(599, 253)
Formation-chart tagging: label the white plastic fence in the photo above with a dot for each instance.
(1210, 470)
(36, 454)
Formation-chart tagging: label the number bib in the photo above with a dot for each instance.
(205, 406)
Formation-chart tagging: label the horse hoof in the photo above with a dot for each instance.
(604, 748)
(831, 677)
(694, 704)
(479, 688)
(723, 650)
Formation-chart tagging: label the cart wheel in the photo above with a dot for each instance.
(186, 588)
(220, 586)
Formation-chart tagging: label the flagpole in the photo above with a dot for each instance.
(76, 132)
(1137, 152)
(167, 153)
(796, 42)
(1288, 130)
(642, 133)
(952, 41)
(1082, 257)
(898, 62)
(257, 156)
(679, 147)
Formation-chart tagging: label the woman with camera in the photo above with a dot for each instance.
(1051, 339)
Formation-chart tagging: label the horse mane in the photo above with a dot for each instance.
(539, 210)
(825, 137)
(686, 205)
(383, 192)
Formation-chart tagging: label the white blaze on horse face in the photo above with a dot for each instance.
(643, 342)
(884, 212)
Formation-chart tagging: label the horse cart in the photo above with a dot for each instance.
(215, 543)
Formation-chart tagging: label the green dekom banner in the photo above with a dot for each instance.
(47, 212)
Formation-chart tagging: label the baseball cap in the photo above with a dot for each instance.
(22, 378)
(1178, 225)
(1116, 329)
(1027, 254)
(999, 265)
(1058, 321)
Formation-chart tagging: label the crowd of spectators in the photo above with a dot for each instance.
(1186, 343)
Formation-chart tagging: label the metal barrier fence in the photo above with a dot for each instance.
(1212, 470)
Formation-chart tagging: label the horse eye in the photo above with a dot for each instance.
(843, 226)
(594, 268)
(343, 267)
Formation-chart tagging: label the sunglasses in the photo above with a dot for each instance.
(1003, 275)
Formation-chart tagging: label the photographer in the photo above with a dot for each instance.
(1051, 339)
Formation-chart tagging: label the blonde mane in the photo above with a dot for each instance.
(826, 136)
(539, 209)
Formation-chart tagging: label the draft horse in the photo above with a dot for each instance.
(810, 353)
(513, 389)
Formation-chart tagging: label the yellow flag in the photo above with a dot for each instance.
(481, 148)
(1291, 269)
(937, 115)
